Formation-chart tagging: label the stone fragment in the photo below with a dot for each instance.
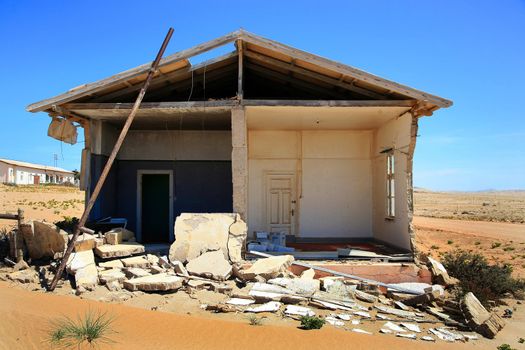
(269, 268)
(393, 327)
(107, 251)
(113, 286)
(237, 240)
(334, 321)
(439, 273)
(359, 330)
(153, 259)
(24, 276)
(158, 282)
(111, 264)
(428, 338)
(406, 335)
(179, 268)
(111, 275)
(43, 240)
(119, 235)
(308, 274)
(134, 272)
(271, 306)
(345, 317)
(82, 266)
(337, 289)
(136, 261)
(392, 311)
(326, 282)
(401, 306)
(198, 233)
(84, 241)
(411, 327)
(210, 265)
(363, 314)
(21, 265)
(442, 336)
(479, 319)
(298, 310)
(300, 286)
(365, 296)
(219, 308)
(164, 262)
(385, 331)
(355, 322)
(156, 269)
(239, 301)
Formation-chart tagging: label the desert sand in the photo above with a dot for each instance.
(26, 316)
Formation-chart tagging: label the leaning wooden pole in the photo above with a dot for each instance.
(110, 161)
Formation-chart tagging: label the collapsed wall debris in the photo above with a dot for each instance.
(215, 263)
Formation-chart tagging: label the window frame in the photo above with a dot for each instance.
(390, 203)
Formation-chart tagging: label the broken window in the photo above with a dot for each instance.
(390, 186)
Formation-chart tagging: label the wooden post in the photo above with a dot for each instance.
(240, 51)
(110, 161)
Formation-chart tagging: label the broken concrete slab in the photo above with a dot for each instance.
(360, 295)
(411, 327)
(198, 233)
(111, 275)
(479, 319)
(268, 268)
(84, 241)
(158, 282)
(179, 268)
(43, 240)
(334, 321)
(24, 276)
(298, 310)
(299, 286)
(439, 273)
(407, 335)
(135, 272)
(308, 274)
(82, 266)
(271, 306)
(240, 301)
(111, 264)
(119, 235)
(21, 265)
(210, 265)
(113, 286)
(136, 261)
(392, 311)
(392, 327)
(107, 251)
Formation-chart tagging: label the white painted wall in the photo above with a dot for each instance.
(26, 176)
(334, 174)
(394, 134)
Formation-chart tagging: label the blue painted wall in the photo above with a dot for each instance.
(199, 186)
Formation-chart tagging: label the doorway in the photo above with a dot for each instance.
(155, 206)
(281, 202)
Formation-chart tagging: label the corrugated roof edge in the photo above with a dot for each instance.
(34, 166)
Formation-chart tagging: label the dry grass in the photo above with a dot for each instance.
(497, 206)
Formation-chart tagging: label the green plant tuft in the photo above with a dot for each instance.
(505, 347)
(476, 275)
(254, 320)
(312, 322)
(92, 329)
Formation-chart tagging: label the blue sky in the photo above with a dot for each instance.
(472, 52)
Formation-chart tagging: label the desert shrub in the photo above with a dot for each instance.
(92, 330)
(68, 224)
(495, 245)
(312, 322)
(476, 275)
(505, 347)
(254, 320)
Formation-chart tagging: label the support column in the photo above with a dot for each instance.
(410, 188)
(239, 162)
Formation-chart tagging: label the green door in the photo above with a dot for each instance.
(155, 208)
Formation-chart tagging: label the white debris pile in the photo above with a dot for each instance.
(207, 257)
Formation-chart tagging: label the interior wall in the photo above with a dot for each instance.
(333, 179)
(394, 134)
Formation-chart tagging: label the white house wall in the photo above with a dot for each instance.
(394, 134)
(26, 175)
(333, 169)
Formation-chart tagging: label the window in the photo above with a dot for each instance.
(390, 186)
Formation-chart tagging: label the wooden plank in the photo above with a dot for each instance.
(167, 78)
(314, 75)
(126, 75)
(330, 103)
(278, 76)
(240, 51)
(343, 69)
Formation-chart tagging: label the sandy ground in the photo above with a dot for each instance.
(49, 203)
(499, 242)
(26, 316)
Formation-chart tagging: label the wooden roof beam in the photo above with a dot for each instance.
(313, 75)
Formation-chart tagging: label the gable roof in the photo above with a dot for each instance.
(261, 50)
(34, 166)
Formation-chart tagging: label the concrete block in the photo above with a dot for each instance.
(120, 250)
(210, 265)
(158, 282)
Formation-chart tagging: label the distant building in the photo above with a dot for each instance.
(23, 173)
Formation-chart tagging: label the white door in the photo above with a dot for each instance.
(280, 202)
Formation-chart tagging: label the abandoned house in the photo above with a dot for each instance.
(291, 141)
(24, 173)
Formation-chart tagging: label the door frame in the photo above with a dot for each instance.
(295, 203)
(141, 172)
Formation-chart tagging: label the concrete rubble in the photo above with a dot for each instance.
(43, 240)
(207, 257)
